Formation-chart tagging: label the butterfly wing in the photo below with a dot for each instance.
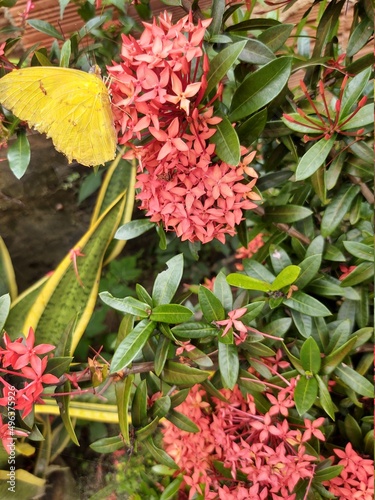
(70, 106)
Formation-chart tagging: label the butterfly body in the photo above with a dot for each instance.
(70, 106)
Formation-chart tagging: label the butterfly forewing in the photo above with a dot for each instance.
(70, 106)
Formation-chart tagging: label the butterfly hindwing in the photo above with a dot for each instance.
(70, 106)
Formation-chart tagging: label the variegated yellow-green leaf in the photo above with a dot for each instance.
(71, 293)
(7, 278)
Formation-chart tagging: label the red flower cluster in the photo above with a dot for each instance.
(158, 89)
(22, 359)
(266, 458)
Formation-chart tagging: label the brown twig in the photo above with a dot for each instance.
(285, 228)
(366, 191)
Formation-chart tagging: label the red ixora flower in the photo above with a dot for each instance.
(157, 97)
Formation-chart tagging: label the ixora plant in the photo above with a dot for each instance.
(258, 383)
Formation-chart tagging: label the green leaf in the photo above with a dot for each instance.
(328, 286)
(247, 282)
(133, 229)
(128, 305)
(66, 50)
(226, 142)
(310, 356)
(170, 492)
(306, 304)
(18, 154)
(147, 430)
(223, 292)
(325, 398)
(182, 422)
(222, 63)
(276, 36)
(305, 394)
(309, 269)
(314, 158)
(45, 28)
(257, 270)
(4, 309)
(251, 129)
(336, 210)
(256, 52)
(360, 36)
(170, 313)
(131, 345)
(179, 374)
(286, 277)
(330, 362)
(123, 390)
(253, 24)
(139, 405)
(286, 213)
(365, 116)
(161, 407)
(159, 455)
(353, 90)
(161, 354)
(361, 273)
(327, 473)
(217, 12)
(353, 431)
(211, 306)
(195, 330)
(167, 282)
(108, 445)
(303, 323)
(259, 88)
(228, 364)
(92, 25)
(355, 381)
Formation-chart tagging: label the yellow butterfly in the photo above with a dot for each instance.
(70, 106)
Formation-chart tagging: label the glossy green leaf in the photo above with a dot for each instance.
(309, 269)
(364, 117)
(65, 54)
(286, 277)
(170, 313)
(108, 445)
(247, 282)
(310, 356)
(161, 354)
(256, 270)
(139, 405)
(314, 158)
(18, 154)
(223, 292)
(179, 374)
(228, 364)
(353, 91)
(253, 311)
(4, 309)
(182, 421)
(133, 229)
(339, 335)
(286, 213)
(358, 39)
(45, 28)
(328, 286)
(147, 430)
(303, 323)
(256, 52)
(211, 306)
(276, 36)
(361, 273)
(353, 431)
(170, 492)
(360, 250)
(123, 390)
(279, 258)
(327, 473)
(167, 282)
(222, 63)
(325, 398)
(159, 455)
(300, 124)
(161, 407)
(199, 358)
(226, 142)
(128, 305)
(131, 345)
(355, 381)
(305, 394)
(195, 330)
(259, 88)
(251, 129)
(336, 210)
(306, 304)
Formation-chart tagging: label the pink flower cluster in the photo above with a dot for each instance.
(157, 98)
(264, 457)
(356, 480)
(21, 358)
